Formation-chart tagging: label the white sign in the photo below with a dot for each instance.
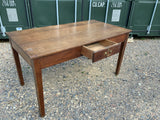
(98, 4)
(18, 28)
(12, 14)
(116, 13)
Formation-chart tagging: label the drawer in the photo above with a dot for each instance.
(100, 50)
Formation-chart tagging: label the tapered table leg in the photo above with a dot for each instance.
(18, 66)
(39, 86)
(121, 54)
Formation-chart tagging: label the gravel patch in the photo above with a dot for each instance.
(80, 90)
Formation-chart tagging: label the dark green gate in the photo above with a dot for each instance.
(14, 16)
(52, 12)
(114, 12)
(144, 18)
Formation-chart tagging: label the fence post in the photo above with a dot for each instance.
(57, 10)
(154, 11)
(90, 8)
(3, 29)
(75, 11)
(107, 7)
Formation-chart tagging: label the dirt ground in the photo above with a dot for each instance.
(81, 90)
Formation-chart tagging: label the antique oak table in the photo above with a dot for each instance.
(47, 46)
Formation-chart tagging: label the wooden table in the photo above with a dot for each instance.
(47, 46)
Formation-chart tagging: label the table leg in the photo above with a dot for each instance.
(121, 54)
(39, 87)
(18, 66)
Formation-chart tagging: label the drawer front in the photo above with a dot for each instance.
(106, 52)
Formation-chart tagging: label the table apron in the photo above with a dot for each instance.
(59, 57)
(21, 52)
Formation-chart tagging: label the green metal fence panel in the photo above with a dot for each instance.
(44, 12)
(14, 15)
(118, 11)
(141, 16)
(1, 28)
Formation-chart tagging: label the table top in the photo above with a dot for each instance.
(44, 41)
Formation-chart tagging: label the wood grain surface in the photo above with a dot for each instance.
(44, 41)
